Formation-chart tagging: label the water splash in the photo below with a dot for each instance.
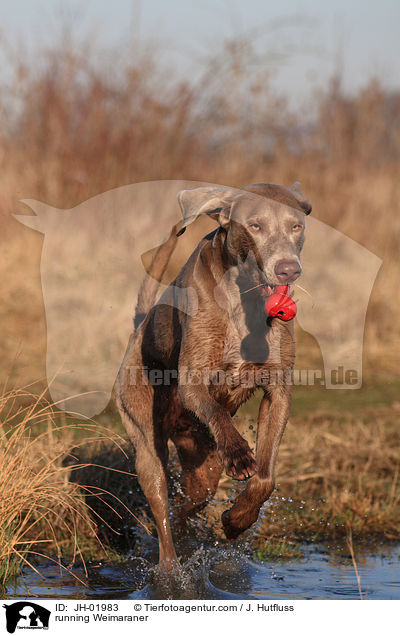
(199, 576)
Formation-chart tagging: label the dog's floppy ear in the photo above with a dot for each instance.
(296, 191)
(215, 201)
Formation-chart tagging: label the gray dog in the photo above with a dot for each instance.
(233, 270)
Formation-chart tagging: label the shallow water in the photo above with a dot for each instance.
(218, 572)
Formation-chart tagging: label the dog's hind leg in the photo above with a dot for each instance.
(150, 465)
(201, 470)
(152, 479)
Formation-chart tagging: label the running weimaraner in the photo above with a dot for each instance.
(231, 273)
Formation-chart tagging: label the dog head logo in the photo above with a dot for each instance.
(91, 270)
(26, 615)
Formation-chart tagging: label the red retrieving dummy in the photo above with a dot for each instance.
(280, 305)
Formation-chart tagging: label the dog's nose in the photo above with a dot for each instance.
(287, 271)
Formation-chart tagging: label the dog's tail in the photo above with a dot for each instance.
(151, 282)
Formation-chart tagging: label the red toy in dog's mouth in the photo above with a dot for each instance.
(279, 304)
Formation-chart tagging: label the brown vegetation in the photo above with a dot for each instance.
(338, 472)
(71, 128)
(42, 510)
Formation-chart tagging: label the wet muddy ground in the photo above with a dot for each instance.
(218, 572)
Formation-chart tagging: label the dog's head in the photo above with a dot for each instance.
(264, 227)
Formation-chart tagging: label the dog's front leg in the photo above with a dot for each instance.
(233, 450)
(272, 419)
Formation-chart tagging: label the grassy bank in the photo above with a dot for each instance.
(338, 472)
(67, 488)
(43, 511)
(338, 466)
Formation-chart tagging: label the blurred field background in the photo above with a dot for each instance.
(72, 125)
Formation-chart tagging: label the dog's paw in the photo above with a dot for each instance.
(236, 521)
(238, 460)
(231, 531)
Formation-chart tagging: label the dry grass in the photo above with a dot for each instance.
(42, 510)
(335, 473)
(353, 559)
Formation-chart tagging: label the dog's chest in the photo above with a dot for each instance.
(251, 360)
(248, 337)
(254, 342)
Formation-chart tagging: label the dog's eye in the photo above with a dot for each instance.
(255, 227)
(297, 227)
